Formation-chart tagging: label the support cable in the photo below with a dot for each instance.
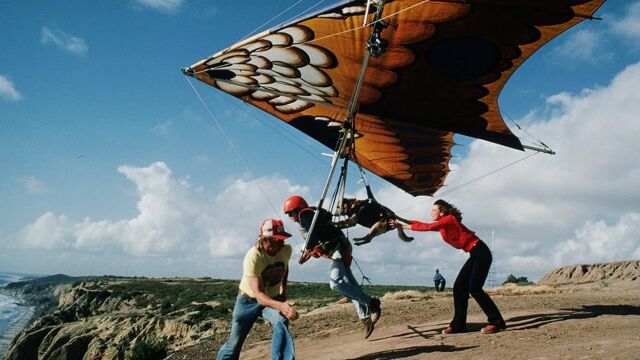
(231, 144)
(270, 20)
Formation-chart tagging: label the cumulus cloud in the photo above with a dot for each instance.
(596, 241)
(168, 6)
(33, 185)
(173, 219)
(578, 206)
(69, 43)
(546, 211)
(8, 90)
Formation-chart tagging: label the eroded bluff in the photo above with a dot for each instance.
(104, 320)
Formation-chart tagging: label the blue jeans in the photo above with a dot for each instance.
(245, 314)
(341, 279)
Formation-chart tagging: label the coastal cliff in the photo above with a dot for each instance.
(587, 273)
(105, 318)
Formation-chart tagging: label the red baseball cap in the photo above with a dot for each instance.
(274, 228)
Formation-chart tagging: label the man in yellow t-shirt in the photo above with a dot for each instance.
(263, 292)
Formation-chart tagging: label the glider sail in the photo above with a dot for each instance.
(442, 69)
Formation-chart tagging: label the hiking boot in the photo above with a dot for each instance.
(449, 330)
(374, 309)
(494, 328)
(368, 326)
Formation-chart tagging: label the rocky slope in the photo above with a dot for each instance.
(578, 274)
(104, 319)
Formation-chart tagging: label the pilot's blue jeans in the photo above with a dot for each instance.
(245, 314)
(341, 279)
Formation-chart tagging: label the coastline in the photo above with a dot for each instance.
(16, 325)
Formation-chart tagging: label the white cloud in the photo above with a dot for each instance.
(173, 219)
(8, 90)
(167, 6)
(629, 25)
(581, 205)
(33, 185)
(64, 41)
(596, 242)
(49, 231)
(545, 204)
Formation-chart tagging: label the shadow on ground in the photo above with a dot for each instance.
(585, 312)
(411, 351)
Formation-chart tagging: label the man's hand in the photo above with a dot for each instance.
(288, 311)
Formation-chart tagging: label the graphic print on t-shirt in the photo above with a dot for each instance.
(273, 273)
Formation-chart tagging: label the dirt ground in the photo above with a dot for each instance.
(592, 321)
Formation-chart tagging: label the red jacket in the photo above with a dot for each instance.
(451, 230)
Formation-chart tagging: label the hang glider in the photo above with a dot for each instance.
(436, 68)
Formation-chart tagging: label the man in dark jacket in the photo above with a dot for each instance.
(327, 240)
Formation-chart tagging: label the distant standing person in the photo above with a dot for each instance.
(263, 292)
(448, 221)
(328, 241)
(439, 281)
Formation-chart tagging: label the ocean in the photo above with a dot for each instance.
(13, 315)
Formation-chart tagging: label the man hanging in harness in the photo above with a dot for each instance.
(371, 214)
(327, 240)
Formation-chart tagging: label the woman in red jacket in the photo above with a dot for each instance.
(447, 220)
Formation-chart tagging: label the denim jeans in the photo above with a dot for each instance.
(245, 314)
(341, 279)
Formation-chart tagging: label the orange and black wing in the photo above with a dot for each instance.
(442, 72)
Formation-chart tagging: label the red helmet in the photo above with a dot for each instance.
(294, 202)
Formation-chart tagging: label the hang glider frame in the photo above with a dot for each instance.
(374, 46)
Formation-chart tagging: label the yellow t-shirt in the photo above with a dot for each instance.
(270, 268)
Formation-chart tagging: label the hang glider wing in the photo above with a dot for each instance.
(443, 69)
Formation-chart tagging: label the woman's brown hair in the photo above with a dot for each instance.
(448, 209)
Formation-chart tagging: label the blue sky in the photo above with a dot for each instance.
(109, 163)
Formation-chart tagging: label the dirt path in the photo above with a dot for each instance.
(586, 322)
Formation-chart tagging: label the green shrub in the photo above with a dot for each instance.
(143, 350)
(522, 280)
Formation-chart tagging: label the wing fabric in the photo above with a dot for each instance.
(442, 72)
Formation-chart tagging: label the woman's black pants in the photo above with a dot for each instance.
(470, 281)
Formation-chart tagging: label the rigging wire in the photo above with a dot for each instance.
(363, 26)
(280, 14)
(287, 136)
(285, 131)
(535, 139)
(270, 20)
(231, 144)
(302, 12)
(458, 187)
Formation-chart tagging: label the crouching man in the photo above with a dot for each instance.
(263, 292)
